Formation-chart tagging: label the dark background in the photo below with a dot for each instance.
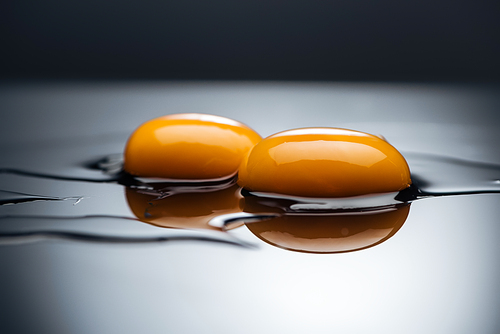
(251, 39)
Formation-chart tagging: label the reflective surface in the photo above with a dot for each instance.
(438, 273)
(331, 233)
(187, 206)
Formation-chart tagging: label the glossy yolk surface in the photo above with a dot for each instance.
(188, 147)
(324, 162)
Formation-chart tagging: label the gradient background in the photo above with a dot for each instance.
(264, 40)
(77, 77)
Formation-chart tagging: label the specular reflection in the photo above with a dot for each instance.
(176, 205)
(194, 206)
(328, 232)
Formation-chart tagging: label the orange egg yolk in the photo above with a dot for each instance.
(324, 162)
(191, 147)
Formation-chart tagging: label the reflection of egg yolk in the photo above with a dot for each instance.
(188, 147)
(191, 208)
(324, 162)
(331, 233)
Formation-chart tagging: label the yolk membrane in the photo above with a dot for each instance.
(324, 162)
(192, 147)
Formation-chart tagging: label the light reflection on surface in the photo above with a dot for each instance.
(331, 233)
(193, 206)
(189, 206)
(439, 274)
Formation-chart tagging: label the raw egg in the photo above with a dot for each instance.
(191, 147)
(324, 162)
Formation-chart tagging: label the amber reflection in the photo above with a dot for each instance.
(186, 206)
(329, 232)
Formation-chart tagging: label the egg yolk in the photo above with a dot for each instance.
(191, 147)
(324, 162)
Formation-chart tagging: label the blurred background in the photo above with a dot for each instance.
(338, 40)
